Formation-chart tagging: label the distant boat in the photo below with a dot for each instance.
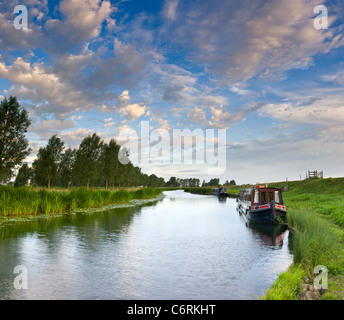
(220, 192)
(262, 204)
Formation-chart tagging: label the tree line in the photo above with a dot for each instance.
(93, 163)
(194, 182)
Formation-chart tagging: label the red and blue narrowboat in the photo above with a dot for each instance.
(262, 204)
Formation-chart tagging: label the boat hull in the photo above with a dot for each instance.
(270, 214)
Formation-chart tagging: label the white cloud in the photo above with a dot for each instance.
(164, 125)
(287, 155)
(336, 78)
(326, 110)
(131, 111)
(81, 20)
(197, 115)
(236, 88)
(38, 83)
(54, 124)
(109, 124)
(73, 138)
(239, 40)
(170, 10)
(221, 118)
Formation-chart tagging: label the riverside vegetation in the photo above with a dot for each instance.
(316, 216)
(316, 212)
(315, 207)
(19, 201)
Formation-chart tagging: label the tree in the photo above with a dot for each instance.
(47, 162)
(173, 182)
(88, 159)
(212, 182)
(110, 162)
(25, 174)
(123, 167)
(14, 123)
(66, 167)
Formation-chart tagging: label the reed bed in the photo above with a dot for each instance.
(15, 201)
(199, 190)
(316, 242)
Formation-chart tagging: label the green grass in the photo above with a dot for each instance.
(233, 190)
(199, 190)
(286, 287)
(316, 242)
(315, 210)
(27, 201)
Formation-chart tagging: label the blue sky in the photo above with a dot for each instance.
(259, 69)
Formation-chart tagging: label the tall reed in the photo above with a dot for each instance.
(23, 200)
(316, 241)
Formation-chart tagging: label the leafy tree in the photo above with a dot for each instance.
(88, 159)
(173, 182)
(190, 182)
(212, 182)
(123, 167)
(25, 174)
(77, 170)
(66, 167)
(110, 162)
(14, 123)
(47, 162)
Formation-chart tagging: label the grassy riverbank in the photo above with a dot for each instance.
(233, 191)
(316, 212)
(18, 201)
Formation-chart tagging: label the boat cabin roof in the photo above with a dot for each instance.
(264, 195)
(261, 188)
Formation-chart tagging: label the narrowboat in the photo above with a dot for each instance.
(220, 192)
(262, 204)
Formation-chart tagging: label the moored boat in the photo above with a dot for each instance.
(262, 204)
(220, 192)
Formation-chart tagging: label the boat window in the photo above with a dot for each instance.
(277, 197)
(256, 196)
(248, 196)
(271, 196)
(262, 197)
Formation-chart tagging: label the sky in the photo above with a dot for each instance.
(262, 71)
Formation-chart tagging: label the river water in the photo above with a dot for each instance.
(183, 247)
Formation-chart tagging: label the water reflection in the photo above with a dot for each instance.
(270, 235)
(184, 247)
(222, 199)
